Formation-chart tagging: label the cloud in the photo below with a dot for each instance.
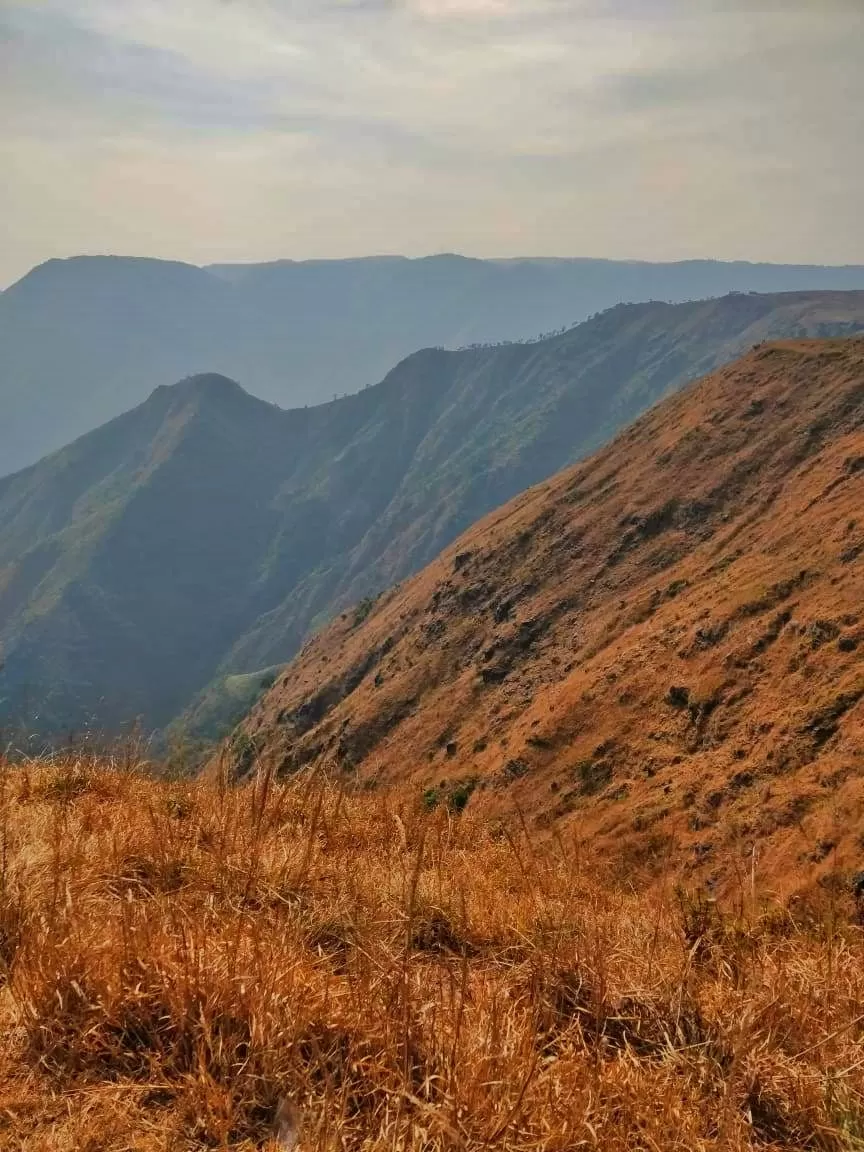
(260, 128)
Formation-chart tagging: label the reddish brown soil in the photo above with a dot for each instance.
(661, 646)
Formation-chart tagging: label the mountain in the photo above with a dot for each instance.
(661, 645)
(82, 340)
(203, 535)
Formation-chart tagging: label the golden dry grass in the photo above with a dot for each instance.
(180, 960)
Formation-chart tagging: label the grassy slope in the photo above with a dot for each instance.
(182, 964)
(227, 700)
(510, 417)
(660, 646)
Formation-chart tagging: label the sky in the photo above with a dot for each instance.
(238, 130)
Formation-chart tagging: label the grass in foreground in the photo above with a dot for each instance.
(183, 964)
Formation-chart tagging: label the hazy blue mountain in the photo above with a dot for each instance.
(84, 339)
(152, 564)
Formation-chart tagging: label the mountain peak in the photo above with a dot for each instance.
(86, 273)
(207, 386)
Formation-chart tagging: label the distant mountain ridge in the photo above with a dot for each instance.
(84, 339)
(198, 538)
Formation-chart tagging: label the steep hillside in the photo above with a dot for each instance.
(662, 645)
(202, 535)
(82, 340)
(477, 427)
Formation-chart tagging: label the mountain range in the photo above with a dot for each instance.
(172, 560)
(83, 340)
(657, 650)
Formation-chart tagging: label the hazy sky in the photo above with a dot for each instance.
(254, 129)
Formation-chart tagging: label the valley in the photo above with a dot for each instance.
(206, 534)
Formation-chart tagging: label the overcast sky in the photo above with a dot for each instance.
(209, 130)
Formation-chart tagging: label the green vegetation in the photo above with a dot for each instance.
(453, 794)
(222, 706)
(363, 610)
